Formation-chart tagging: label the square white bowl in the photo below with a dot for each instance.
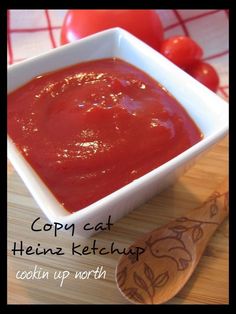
(208, 110)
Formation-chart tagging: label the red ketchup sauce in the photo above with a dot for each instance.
(91, 128)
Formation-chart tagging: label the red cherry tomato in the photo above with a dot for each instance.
(144, 24)
(181, 50)
(206, 74)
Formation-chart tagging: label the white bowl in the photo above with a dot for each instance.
(208, 110)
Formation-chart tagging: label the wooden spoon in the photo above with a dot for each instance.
(170, 253)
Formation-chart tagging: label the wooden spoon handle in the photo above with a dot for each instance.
(171, 252)
(215, 209)
(202, 221)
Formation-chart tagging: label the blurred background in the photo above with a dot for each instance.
(32, 32)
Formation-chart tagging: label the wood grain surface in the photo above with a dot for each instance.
(208, 285)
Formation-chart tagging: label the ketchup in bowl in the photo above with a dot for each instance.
(91, 128)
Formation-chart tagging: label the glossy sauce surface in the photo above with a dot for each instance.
(92, 128)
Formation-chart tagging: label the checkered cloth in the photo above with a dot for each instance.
(31, 32)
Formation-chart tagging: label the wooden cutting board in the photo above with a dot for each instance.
(208, 285)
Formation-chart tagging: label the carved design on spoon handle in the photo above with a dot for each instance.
(146, 282)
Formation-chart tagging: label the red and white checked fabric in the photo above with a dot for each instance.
(31, 32)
